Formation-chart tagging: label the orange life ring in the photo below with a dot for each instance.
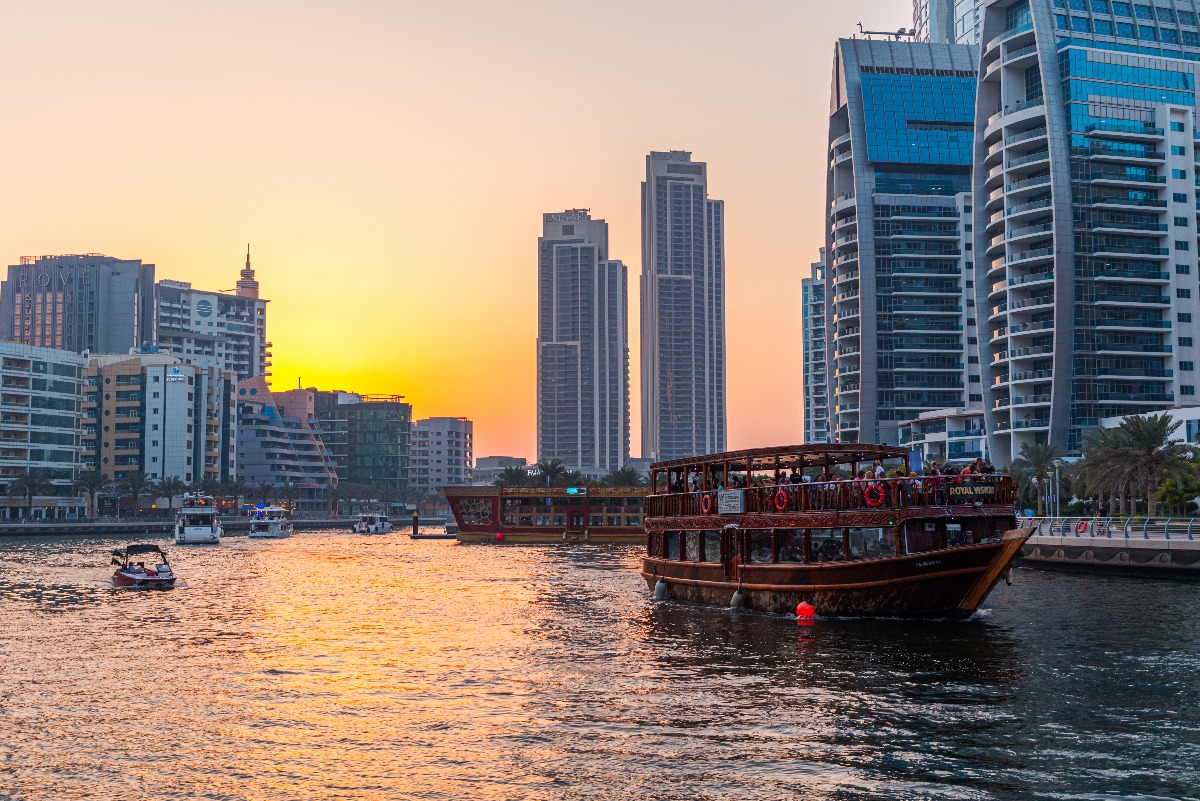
(705, 503)
(873, 495)
(1081, 527)
(781, 500)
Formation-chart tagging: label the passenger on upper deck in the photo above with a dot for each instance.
(795, 478)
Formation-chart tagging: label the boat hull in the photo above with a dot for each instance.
(271, 533)
(197, 535)
(631, 537)
(143, 582)
(943, 584)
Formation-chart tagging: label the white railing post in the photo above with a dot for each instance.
(1190, 521)
(1128, 521)
(1146, 529)
(1167, 528)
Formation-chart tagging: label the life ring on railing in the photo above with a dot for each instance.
(1081, 527)
(705, 503)
(781, 500)
(873, 495)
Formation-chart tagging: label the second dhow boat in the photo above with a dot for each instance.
(272, 523)
(197, 522)
(746, 529)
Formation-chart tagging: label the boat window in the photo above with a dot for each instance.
(760, 546)
(790, 542)
(672, 545)
(875, 542)
(712, 546)
(827, 545)
(691, 546)
(954, 535)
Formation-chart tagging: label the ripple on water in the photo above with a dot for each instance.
(342, 667)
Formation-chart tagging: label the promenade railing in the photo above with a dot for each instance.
(1144, 528)
(848, 495)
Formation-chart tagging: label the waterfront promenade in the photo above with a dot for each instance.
(1151, 547)
(135, 525)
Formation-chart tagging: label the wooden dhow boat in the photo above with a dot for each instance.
(770, 528)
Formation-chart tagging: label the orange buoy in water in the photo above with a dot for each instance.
(805, 611)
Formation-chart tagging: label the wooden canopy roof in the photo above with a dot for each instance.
(789, 456)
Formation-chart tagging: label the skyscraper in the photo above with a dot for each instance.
(816, 379)
(683, 310)
(582, 346)
(89, 302)
(947, 21)
(1085, 172)
(226, 330)
(898, 262)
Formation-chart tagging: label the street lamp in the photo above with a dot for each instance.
(1057, 488)
(1037, 488)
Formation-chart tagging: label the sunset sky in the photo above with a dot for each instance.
(389, 163)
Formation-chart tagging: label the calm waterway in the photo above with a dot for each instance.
(334, 666)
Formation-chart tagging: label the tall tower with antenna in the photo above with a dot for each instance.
(247, 286)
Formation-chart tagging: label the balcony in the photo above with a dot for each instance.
(1025, 136)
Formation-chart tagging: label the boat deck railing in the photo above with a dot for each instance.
(1144, 528)
(826, 496)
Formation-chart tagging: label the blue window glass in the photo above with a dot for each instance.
(919, 119)
(1121, 9)
(1148, 32)
(1143, 12)
(1179, 173)
(1176, 150)
(1060, 21)
(1126, 30)
(1077, 5)
(1177, 126)
(1169, 36)
(1081, 24)
(1103, 27)
(1099, 6)
(1190, 38)
(1164, 14)
(1187, 18)
(1077, 63)
(1060, 3)
(1017, 17)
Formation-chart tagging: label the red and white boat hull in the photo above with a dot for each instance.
(147, 580)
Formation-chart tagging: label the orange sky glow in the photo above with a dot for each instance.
(389, 163)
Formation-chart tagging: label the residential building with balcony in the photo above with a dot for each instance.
(279, 443)
(901, 323)
(947, 435)
(151, 413)
(226, 330)
(40, 423)
(441, 453)
(816, 378)
(1086, 214)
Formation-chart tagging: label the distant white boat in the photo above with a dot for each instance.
(372, 523)
(272, 523)
(197, 521)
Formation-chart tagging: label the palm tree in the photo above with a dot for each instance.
(261, 492)
(626, 477)
(571, 478)
(1038, 460)
(1103, 467)
(136, 484)
(92, 483)
(168, 488)
(1150, 454)
(238, 489)
(30, 483)
(342, 491)
(512, 477)
(207, 485)
(550, 473)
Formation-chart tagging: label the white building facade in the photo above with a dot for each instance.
(440, 453)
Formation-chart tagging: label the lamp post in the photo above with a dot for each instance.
(1057, 488)
(1037, 488)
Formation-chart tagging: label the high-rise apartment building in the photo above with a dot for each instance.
(40, 416)
(582, 346)
(279, 443)
(968, 21)
(682, 310)
(1085, 173)
(933, 20)
(367, 436)
(816, 379)
(899, 259)
(215, 329)
(151, 413)
(89, 302)
(440, 453)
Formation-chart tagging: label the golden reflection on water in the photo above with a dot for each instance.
(337, 666)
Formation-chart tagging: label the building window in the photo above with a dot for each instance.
(1177, 127)
(1176, 150)
(1189, 366)
(1181, 222)
(1185, 342)
(1187, 390)
(1184, 317)
(1182, 245)
(1179, 197)
(1183, 293)
(1182, 269)
(1179, 173)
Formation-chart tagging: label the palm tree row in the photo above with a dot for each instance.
(553, 473)
(1130, 462)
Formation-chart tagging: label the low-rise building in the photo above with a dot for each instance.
(279, 443)
(441, 453)
(954, 435)
(152, 413)
(489, 468)
(40, 420)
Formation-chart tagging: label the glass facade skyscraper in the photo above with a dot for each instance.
(947, 21)
(900, 329)
(1085, 166)
(683, 310)
(582, 346)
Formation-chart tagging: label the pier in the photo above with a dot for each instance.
(231, 526)
(1152, 547)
